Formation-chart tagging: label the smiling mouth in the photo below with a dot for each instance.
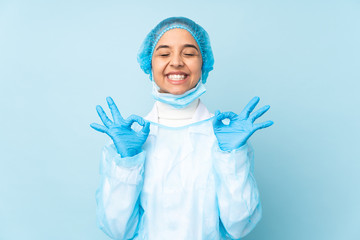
(177, 79)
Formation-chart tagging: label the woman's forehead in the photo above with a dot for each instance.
(177, 37)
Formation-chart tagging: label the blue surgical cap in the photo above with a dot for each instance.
(200, 35)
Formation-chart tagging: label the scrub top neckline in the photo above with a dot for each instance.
(181, 127)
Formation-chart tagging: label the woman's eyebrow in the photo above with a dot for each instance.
(162, 46)
(191, 45)
(185, 45)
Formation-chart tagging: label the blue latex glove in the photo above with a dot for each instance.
(128, 142)
(240, 128)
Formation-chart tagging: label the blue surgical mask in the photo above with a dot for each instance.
(179, 101)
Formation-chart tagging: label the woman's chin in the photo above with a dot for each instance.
(179, 91)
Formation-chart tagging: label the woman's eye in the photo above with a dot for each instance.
(164, 55)
(189, 54)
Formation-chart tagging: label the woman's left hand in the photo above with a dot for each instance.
(240, 127)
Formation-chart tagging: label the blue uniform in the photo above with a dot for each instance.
(181, 186)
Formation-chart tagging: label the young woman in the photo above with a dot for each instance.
(183, 174)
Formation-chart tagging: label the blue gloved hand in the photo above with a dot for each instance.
(240, 128)
(128, 142)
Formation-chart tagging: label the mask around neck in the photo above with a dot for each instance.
(179, 101)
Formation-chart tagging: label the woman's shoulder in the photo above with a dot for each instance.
(202, 113)
(152, 116)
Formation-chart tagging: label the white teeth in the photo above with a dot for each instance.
(176, 77)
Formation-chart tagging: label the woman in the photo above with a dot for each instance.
(183, 173)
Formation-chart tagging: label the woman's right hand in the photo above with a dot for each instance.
(128, 142)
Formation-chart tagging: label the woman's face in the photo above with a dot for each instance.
(176, 62)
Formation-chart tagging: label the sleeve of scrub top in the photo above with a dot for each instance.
(118, 202)
(238, 196)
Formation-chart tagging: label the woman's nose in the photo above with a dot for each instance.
(176, 61)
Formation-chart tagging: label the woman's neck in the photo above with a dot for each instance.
(174, 117)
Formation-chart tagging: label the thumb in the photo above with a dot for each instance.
(217, 122)
(146, 129)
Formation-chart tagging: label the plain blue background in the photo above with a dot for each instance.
(59, 59)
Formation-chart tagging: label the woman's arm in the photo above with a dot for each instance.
(122, 173)
(238, 196)
(118, 202)
(237, 192)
